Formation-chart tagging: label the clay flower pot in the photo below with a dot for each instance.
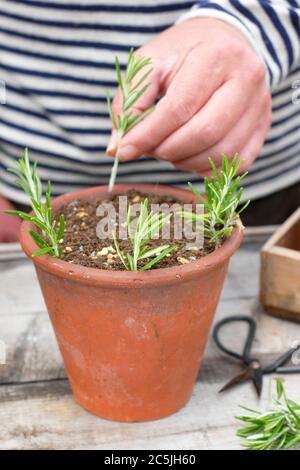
(132, 342)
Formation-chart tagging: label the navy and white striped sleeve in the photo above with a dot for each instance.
(272, 27)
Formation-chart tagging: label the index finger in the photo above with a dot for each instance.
(146, 82)
(184, 97)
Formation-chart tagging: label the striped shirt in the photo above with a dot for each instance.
(57, 63)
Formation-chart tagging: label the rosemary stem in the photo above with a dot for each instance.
(114, 171)
(113, 174)
(53, 242)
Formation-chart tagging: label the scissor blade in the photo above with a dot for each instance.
(258, 380)
(244, 376)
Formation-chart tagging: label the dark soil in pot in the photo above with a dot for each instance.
(81, 245)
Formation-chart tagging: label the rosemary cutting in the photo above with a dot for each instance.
(223, 196)
(276, 429)
(51, 231)
(131, 92)
(147, 226)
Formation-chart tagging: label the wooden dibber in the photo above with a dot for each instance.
(280, 271)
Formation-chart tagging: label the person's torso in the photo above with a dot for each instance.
(57, 63)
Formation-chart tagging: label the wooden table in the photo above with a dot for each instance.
(36, 407)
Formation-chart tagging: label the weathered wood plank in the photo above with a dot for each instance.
(31, 349)
(19, 292)
(243, 275)
(53, 421)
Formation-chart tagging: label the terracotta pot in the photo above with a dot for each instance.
(132, 342)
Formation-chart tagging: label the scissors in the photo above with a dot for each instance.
(253, 370)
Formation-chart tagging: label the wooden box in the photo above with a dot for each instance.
(280, 271)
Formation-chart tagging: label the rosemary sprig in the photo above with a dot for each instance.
(131, 92)
(148, 224)
(51, 232)
(276, 429)
(222, 199)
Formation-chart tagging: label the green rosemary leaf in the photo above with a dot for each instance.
(157, 224)
(226, 208)
(38, 239)
(136, 119)
(110, 111)
(133, 97)
(129, 63)
(39, 224)
(43, 251)
(292, 443)
(139, 64)
(142, 79)
(119, 75)
(197, 194)
(132, 266)
(153, 252)
(37, 207)
(215, 170)
(279, 389)
(251, 410)
(225, 169)
(15, 171)
(156, 260)
(276, 429)
(36, 180)
(117, 246)
(22, 215)
(48, 196)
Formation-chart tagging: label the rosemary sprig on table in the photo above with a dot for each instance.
(131, 91)
(51, 232)
(222, 197)
(148, 224)
(276, 429)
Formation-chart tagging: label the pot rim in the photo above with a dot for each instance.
(128, 279)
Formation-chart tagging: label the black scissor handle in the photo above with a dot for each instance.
(246, 355)
(282, 361)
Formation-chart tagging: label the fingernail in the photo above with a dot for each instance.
(127, 152)
(112, 144)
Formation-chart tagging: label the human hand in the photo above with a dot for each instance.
(215, 98)
(9, 225)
